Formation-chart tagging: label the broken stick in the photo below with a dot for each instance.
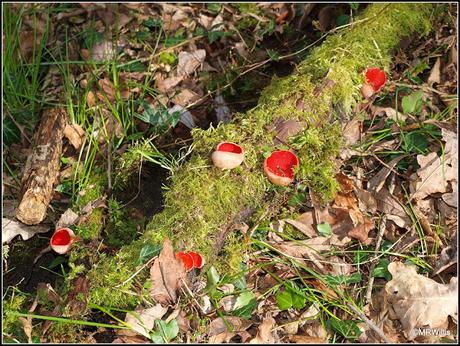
(42, 167)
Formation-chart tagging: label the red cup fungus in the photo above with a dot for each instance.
(375, 80)
(227, 155)
(186, 259)
(279, 167)
(198, 261)
(62, 239)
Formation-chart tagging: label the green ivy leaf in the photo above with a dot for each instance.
(284, 300)
(244, 298)
(324, 229)
(381, 270)
(213, 278)
(415, 142)
(214, 7)
(298, 301)
(246, 311)
(153, 23)
(165, 331)
(335, 280)
(412, 104)
(347, 328)
(217, 35)
(147, 252)
(273, 54)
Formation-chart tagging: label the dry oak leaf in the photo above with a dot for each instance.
(435, 172)
(167, 274)
(418, 301)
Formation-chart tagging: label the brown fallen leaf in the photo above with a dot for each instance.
(185, 98)
(218, 331)
(189, 62)
(388, 204)
(435, 74)
(378, 180)
(306, 339)
(304, 223)
(75, 134)
(361, 232)
(167, 274)
(11, 229)
(265, 334)
(142, 320)
(77, 298)
(418, 301)
(166, 85)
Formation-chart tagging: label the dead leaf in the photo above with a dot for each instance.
(189, 62)
(78, 295)
(304, 224)
(91, 99)
(361, 232)
(142, 320)
(418, 301)
(286, 128)
(28, 41)
(11, 229)
(352, 132)
(378, 180)
(166, 85)
(167, 274)
(218, 331)
(306, 339)
(75, 134)
(434, 174)
(223, 113)
(264, 334)
(388, 204)
(68, 218)
(390, 113)
(102, 51)
(435, 74)
(185, 98)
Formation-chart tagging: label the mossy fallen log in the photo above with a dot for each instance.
(204, 204)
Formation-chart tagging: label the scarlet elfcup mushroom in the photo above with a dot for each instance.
(62, 239)
(198, 261)
(279, 167)
(375, 80)
(227, 155)
(186, 259)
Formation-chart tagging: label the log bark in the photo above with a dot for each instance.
(42, 167)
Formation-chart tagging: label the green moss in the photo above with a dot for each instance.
(15, 303)
(90, 228)
(202, 200)
(120, 229)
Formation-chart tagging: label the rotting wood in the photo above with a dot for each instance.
(42, 167)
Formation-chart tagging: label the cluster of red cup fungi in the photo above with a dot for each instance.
(190, 260)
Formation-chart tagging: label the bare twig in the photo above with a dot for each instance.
(371, 324)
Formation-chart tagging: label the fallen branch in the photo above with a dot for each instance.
(42, 167)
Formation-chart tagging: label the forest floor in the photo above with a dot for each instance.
(135, 73)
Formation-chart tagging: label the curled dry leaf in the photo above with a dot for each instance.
(75, 134)
(166, 85)
(436, 172)
(418, 301)
(143, 320)
(167, 274)
(11, 229)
